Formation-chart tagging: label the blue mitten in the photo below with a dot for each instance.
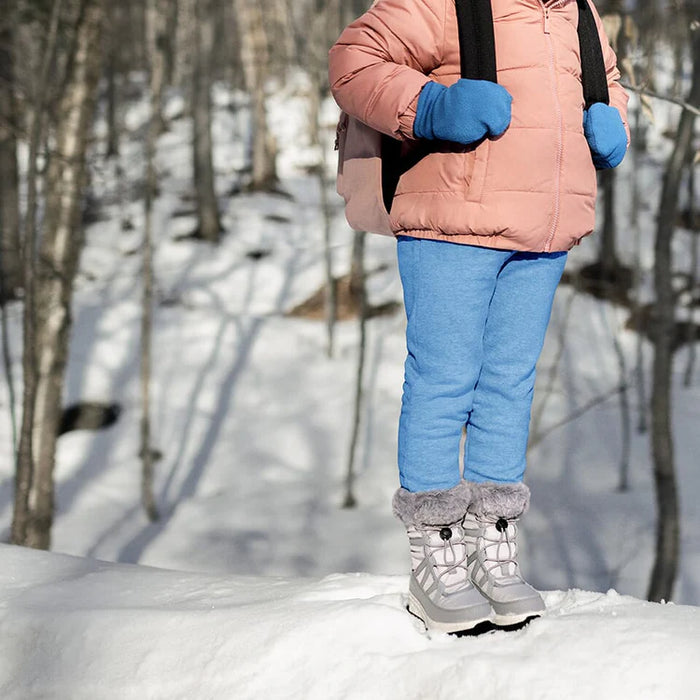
(606, 135)
(464, 112)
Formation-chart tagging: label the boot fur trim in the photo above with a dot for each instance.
(493, 501)
(442, 507)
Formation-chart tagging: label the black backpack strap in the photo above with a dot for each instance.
(593, 74)
(477, 47)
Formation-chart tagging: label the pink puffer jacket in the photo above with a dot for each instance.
(531, 189)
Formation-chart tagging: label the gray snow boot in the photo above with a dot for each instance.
(440, 591)
(491, 536)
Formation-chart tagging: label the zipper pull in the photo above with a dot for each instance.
(546, 20)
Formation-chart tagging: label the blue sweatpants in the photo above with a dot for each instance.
(477, 319)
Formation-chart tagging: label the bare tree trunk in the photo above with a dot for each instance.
(111, 72)
(331, 296)
(156, 30)
(314, 51)
(693, 277)
(112, 107)
(11, 393)
(59, 254)
(184, 40)
(171, 11)
(678, 28)
(255, 60)
(331, 287)
(209, 226)
(625, 412)
(358, 265)
(650, 25)
(281, 43)
(668, 536)
(639, 371)
(25, 469)
(159, 18)
(10, 258)
(608, 253)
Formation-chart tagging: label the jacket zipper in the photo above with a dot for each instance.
(560, 121)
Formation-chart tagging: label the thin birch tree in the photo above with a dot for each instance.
(358, 289)
(25, 466)
(255, 62)
(60, 246)
(157, 17)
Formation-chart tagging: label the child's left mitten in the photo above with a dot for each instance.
(606, 135)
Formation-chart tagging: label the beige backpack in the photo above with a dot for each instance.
(360, 174)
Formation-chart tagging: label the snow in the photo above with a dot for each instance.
(78, 628)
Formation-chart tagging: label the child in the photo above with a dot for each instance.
(484, 221)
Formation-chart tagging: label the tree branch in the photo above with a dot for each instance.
(577, 413)
(666, 98)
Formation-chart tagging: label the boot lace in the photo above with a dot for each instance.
(448, 551)
(500, 548)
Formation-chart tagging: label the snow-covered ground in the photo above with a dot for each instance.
(74, 629)
(253, 422)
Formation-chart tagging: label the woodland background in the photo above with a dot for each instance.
(109, 139)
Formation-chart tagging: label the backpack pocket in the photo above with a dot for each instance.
(360, 176)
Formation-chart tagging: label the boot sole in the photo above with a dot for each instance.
(536, 608)
(508, 621)
(417, 610)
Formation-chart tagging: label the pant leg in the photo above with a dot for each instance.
(498, 427)
(447, 292)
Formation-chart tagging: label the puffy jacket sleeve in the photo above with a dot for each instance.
(381, 62)
(618, 94)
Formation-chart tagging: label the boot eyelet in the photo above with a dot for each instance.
(501, 525)
(446, 533)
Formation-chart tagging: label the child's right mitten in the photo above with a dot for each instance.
(606, 135)
(464, 113)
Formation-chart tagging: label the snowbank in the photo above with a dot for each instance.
(78, 628)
